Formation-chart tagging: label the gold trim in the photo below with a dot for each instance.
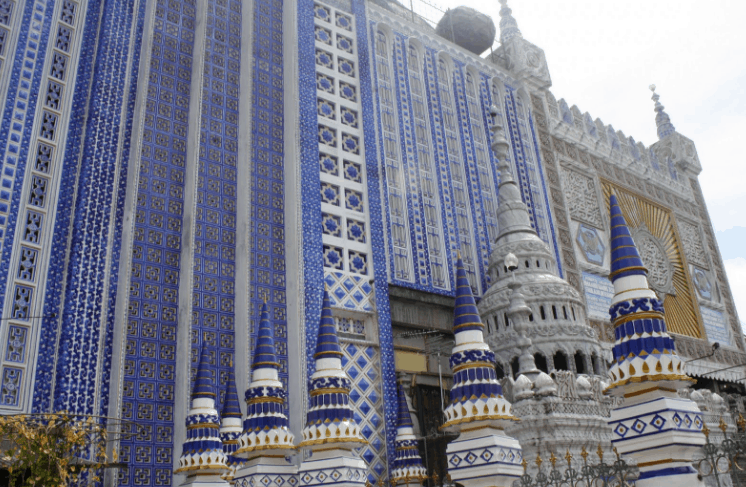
(657, 388)
(328, 352)
(338, 439)
(484, 417)
(638, 316)
(318, 392)
(648, 378)
(626, 269)
(263, 399)
(462, 325)
(471, 365)
(276, 446)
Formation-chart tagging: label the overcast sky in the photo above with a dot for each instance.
(602, 56)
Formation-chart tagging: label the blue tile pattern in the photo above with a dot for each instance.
(15, 138)
(267, 226)
(214, 262)
(150, 346)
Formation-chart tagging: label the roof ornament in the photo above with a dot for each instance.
(662, 120)
(508, 25)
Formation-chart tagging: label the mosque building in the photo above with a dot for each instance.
(415, 203)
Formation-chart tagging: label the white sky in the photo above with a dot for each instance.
(602, 56)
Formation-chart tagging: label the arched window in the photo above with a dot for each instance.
(572, 308)
(499, 370)
(507, 323)
(554, 311)
(414, 59)
(580, 363)
(564, 311)
(381, 45)
(541, 362)
(514, 365)
(560, 360)
(543, 314)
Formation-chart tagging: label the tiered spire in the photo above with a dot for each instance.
(230, 428)
(329, 421)
(202, 453)
(408, 466)
(643, 351)
(265, 429)
(662, 120)
(508, 25)
(476, 395)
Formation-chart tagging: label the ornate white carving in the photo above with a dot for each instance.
(580, 195)
(660, 269)
(692, 241)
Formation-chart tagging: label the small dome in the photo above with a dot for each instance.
(467, 28)
(522, 389)
(544, 385)
(584, 387)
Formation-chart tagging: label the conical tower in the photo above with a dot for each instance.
(331, 432)
(266, 439)
(230, 427)
(655, 426)
(537, 326)
(673, 148)
(408, 468)
(202, 458)
(477, 410)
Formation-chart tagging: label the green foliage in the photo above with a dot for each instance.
(52, 450)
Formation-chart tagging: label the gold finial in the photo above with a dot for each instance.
(568, 457)
(600, 453)
(448, 478)
(552, 459)
(706, 431)
(584, 454)
(616, 452)
(435, 477)
(723, 425)
(381, 482)
(458, 253)
(264, 298)
(539, 461)
(231, 363)
(741, 422)
(524, 463)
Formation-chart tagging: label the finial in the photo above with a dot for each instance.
(584, 454)
(616, 452)
(741, 422)
(600, 453)
(723, 425)
(508, 25)
(539, 461)
(625, 259)
(524, 463)
(662, 120)
(706, 431)
(553, 460)
(568, 457)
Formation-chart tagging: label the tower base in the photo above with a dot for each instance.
(485, 457)
(266, 471)
(339, 467)
(205, 480)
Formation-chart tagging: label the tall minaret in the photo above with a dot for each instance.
(672, 146)
(331, 432)
(523, 59)
(478, 411)
(202, 458)
(655, 426)
(266, 439)
(408, 468)
(230, 426)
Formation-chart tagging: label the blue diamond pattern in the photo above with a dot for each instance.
(639, 426)
(364, 408)
(373, 396)
(658, 422)
(339, 293)
(621, 430)
(358, 296)
(363, 385)
(353, 372)
(361, 362)
(372, 374)
(352, 350)
(366, 431)
(368, 455)
(354, 396)
(370, 352)
(348, 284)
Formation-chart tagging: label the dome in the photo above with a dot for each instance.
(467, 28)
(522, 389)
(544, 385)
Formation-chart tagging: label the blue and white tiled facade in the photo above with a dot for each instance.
(147, 156)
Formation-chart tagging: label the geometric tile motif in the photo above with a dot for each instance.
(362, 366)
(347, 291)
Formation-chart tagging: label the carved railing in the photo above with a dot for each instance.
(601, 474)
